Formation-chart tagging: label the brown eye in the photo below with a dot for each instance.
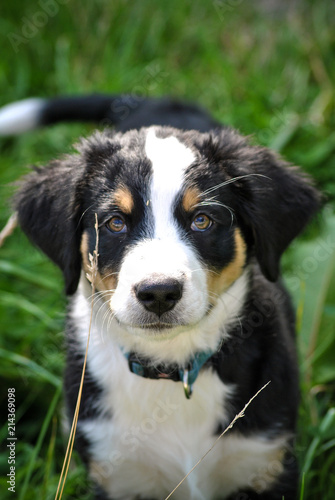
(201, 223)
(117, 225)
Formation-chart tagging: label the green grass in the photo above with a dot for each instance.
(271, 75)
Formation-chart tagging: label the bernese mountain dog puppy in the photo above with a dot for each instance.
(190, 317)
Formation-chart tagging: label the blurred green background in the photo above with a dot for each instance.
(264, 67)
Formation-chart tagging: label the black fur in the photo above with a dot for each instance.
(50, 216)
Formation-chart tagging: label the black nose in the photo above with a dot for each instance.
(159, 296)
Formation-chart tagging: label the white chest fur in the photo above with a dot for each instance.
(149, 436)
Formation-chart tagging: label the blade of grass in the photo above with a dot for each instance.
(302, 489)
(18, 302)
(327, 423)
(285, 133)
(40, 440)
(34, 369)
(319, 308)
(50, 455)
(12, 269)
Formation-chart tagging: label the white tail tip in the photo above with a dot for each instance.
(21, 116)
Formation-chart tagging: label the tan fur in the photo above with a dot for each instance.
(191, 197)
(84, 252)
(102, 283)
(219, 282)
(123, 198)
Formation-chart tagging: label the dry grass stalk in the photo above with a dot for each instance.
(239, 415)
(11, 224)
(92, 277)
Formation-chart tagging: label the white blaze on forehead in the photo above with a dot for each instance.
(169, 159)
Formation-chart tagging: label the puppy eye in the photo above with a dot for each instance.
(117, 225)
(201, 223)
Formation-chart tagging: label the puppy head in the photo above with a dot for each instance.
(180, 215)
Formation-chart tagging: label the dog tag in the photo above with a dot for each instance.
(187, 386)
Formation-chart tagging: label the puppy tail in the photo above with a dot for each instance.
(124, 111)
(28, 114)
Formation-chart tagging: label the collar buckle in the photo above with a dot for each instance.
(188, 388)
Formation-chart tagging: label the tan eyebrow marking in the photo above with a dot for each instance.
(123, 198)
(192, 197)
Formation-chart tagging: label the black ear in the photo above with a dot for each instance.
(276, 203)
(49, 214)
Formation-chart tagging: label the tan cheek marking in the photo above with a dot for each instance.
(84, 252)
(219, 282)
(103, 283)
(123, 198)
(106, 283)
(191, 197)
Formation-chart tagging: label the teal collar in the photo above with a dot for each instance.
(187, 375)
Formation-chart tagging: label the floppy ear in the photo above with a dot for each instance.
(48, 213)
(277, 203)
